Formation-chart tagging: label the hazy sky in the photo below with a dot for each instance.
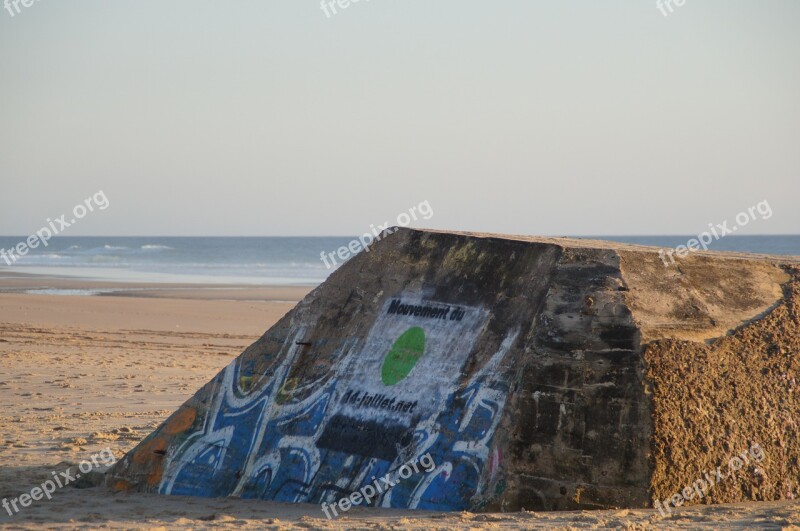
(264, 117)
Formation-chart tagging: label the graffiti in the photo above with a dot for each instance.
(394, 396)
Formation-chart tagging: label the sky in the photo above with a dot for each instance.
(266, 117)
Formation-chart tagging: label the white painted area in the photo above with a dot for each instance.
(448, 343)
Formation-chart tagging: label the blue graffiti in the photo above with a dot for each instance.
(261, 446)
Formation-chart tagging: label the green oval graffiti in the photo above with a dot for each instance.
(404, 354)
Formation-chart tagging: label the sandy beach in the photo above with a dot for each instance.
(82, 374)
(521, 265)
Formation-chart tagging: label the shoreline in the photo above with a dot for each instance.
(12, 282)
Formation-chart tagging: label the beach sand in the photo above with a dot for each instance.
(79, 374)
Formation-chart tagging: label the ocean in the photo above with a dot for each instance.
(287, 261)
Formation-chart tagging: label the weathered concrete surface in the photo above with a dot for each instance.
(536, 373)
